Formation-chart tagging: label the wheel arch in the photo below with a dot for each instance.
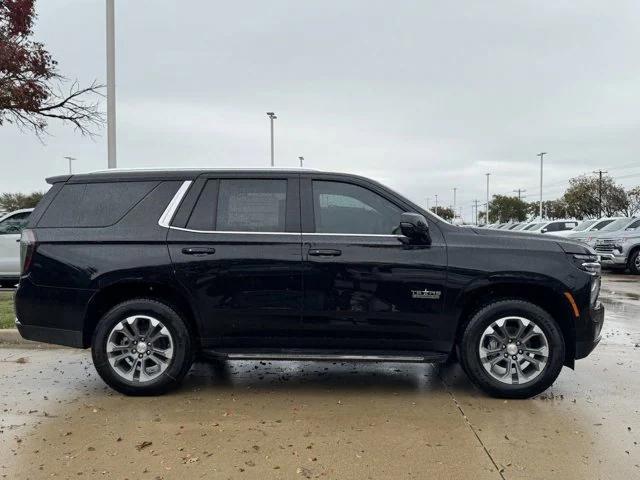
(543, 296)
(107, 297)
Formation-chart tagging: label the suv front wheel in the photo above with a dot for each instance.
(634, 262)
(512, 349)
(142, 347)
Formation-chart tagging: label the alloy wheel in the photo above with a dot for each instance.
(514, 350)
(139, 348)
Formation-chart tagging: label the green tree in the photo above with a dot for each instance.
(581, 197)
(444, 212)
(551, 209)
(505, 209)
(16, 201)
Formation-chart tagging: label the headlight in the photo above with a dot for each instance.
(595, 289)
(586, 262)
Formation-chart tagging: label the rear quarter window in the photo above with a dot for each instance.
(94, 204)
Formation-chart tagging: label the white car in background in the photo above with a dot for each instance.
(588, 227)
(552, 227)
(11, 226)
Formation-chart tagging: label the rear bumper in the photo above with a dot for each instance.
(58, 336)
(51, 314)
(592, 334)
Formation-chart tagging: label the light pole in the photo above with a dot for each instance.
(272, 117)
(71, 159)
(541, 155)
(111, 86)
(301, 161)
(487, 215)
(436, 204)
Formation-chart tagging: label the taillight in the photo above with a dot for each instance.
(28, 245)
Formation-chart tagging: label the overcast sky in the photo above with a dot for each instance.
(422, 95)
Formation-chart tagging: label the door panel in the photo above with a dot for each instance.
(379, 292)
(247, 287)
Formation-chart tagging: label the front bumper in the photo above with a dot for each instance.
(592, 333)
(612, 259)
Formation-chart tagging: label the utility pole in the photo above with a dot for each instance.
(476, 211)
(454, 199)
(600, 172)
(111, 86)
(301, 161)
(272, 117)
(541, 155)
(519, 191)
(71, 159)
(436, 204)
(487, 215)
(428, 203)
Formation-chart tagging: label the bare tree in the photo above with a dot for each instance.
(32, 91)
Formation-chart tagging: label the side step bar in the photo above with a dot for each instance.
(327, 357)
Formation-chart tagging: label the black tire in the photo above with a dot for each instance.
(634, 262)
(179, 364)
(469, 349)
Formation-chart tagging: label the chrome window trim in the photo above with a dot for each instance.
(170, 211)
(285, 233)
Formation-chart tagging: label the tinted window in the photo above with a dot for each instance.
(634, 225)
(251, 205)
(346, 208)
(15, 223)
(94, 204)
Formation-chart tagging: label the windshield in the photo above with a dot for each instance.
(532, 226)
(601, 224)
(617, 225)
(584, 225)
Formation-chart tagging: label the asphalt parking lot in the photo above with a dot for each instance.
(335, 421)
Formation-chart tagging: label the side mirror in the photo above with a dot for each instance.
(414, 226)
(544, 230)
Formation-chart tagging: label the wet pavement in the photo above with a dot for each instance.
(319, 420)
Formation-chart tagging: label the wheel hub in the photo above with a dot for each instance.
(141, 347)
(512, 349)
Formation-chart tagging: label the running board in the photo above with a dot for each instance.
(399, 357)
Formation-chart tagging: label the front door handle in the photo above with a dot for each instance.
(198, 251)
(325, 252)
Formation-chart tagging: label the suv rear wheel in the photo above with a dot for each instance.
(512, 349)
(142, 347)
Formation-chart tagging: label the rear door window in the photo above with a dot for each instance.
(94, 204)
(251, 205)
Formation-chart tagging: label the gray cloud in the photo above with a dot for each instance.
(421, 95)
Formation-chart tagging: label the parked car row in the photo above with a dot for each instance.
(11, 226)
(615, 239)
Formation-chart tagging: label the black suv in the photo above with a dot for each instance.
(151, 268)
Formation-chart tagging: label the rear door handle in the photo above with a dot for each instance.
(325, 252)
(199, 251)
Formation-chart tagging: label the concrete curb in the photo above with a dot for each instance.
(10, 338)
